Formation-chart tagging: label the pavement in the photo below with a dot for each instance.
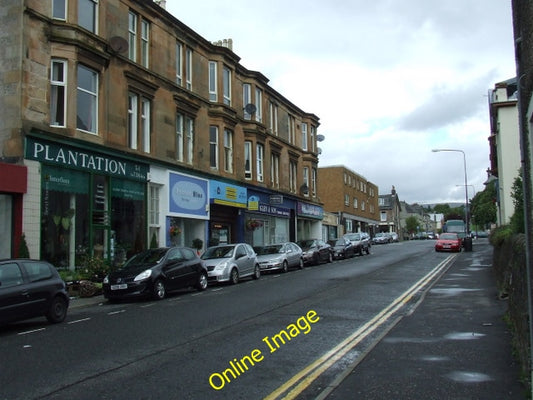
(454, 345)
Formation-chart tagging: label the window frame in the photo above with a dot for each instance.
(132, 35)
(55, 89)
(145, 43)
(274, 169)
(179, 64)
(304, 136)
(248, 170)
(246, 99)
(260, 161)
(226, 85)
(228, 150)
(179, 136)
(212, 81)
(213, 147)
(94, 16)
(188, 69)
(189, 133)
(259, 104)
(95, 98)
(60, 5)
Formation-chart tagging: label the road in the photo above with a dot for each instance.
(284, 333)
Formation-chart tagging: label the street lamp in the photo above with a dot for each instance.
(467, 227)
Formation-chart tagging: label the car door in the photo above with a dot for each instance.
(40, 285)
(175, 269)
(323, 250)
(14, 300)
(242, 259)
(292, 254)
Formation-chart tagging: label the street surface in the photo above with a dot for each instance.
(272, 338)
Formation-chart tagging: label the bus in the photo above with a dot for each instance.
(456, 226)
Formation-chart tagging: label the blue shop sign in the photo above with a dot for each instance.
(310, 210)
(274, 210)
(188, 195)
(228, 195)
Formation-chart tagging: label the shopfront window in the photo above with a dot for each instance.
(65, 216)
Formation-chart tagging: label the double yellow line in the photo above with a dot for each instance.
(303, 379)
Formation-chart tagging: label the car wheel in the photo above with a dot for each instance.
(361, 251)
(330, 257)
(285, 266)
(257, 272)
(234, 276)
(57, 311)
(202, 282)
(368, 250)
(159, 290)
(301, 264)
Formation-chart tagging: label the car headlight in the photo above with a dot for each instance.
(221, 266)
(106, 279)
(143, 275)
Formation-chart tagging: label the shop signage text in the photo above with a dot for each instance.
(67, 156)
(273, 210)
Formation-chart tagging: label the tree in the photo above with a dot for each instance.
(483, 207)
(518, 218)
(411, 224)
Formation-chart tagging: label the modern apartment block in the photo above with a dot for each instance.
(120, 126)
(352, 197)
(503, 141)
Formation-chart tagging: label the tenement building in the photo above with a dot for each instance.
(122, 127)
(352, 197)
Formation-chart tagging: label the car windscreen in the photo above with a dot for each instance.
(148, 257)
(218, 252)
(448, 236)
(263, 250)
(305, 244)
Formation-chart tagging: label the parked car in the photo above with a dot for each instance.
(381, 238)
(342, 248)
(448, 242)
(279, 257)
(231, 262)
(154, 272)
(361, 242)
(394, 236)
(315, 251)
(31, 288)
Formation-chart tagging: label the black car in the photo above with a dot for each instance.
(342, 248)
(315, 251)
(154, 272)
(31, 288)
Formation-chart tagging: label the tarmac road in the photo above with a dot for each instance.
(454, 345)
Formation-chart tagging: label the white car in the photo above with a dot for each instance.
(231, 262)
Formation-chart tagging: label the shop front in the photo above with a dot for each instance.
(227, 208)
(268, 219)
(13, 185)
(92, 202)
(188, 211)
(309, 221)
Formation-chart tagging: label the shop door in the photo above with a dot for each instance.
(100, 218)
(220, 234)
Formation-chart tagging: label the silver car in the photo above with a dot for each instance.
(280, 256)
(231, 262)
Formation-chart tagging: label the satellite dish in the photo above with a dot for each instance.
(118, 44)
(319, 150)
(320, 138)
(250, 108)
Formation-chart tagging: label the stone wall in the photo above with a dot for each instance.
(509, 265)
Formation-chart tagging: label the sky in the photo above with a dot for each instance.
(390, 80)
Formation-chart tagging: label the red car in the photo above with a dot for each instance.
(448, 242)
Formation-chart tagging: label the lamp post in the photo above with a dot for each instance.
(467, 227)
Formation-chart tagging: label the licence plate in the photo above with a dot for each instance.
(119, 287)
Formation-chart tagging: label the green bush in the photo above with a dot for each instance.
(24, 252)
(500, 235)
